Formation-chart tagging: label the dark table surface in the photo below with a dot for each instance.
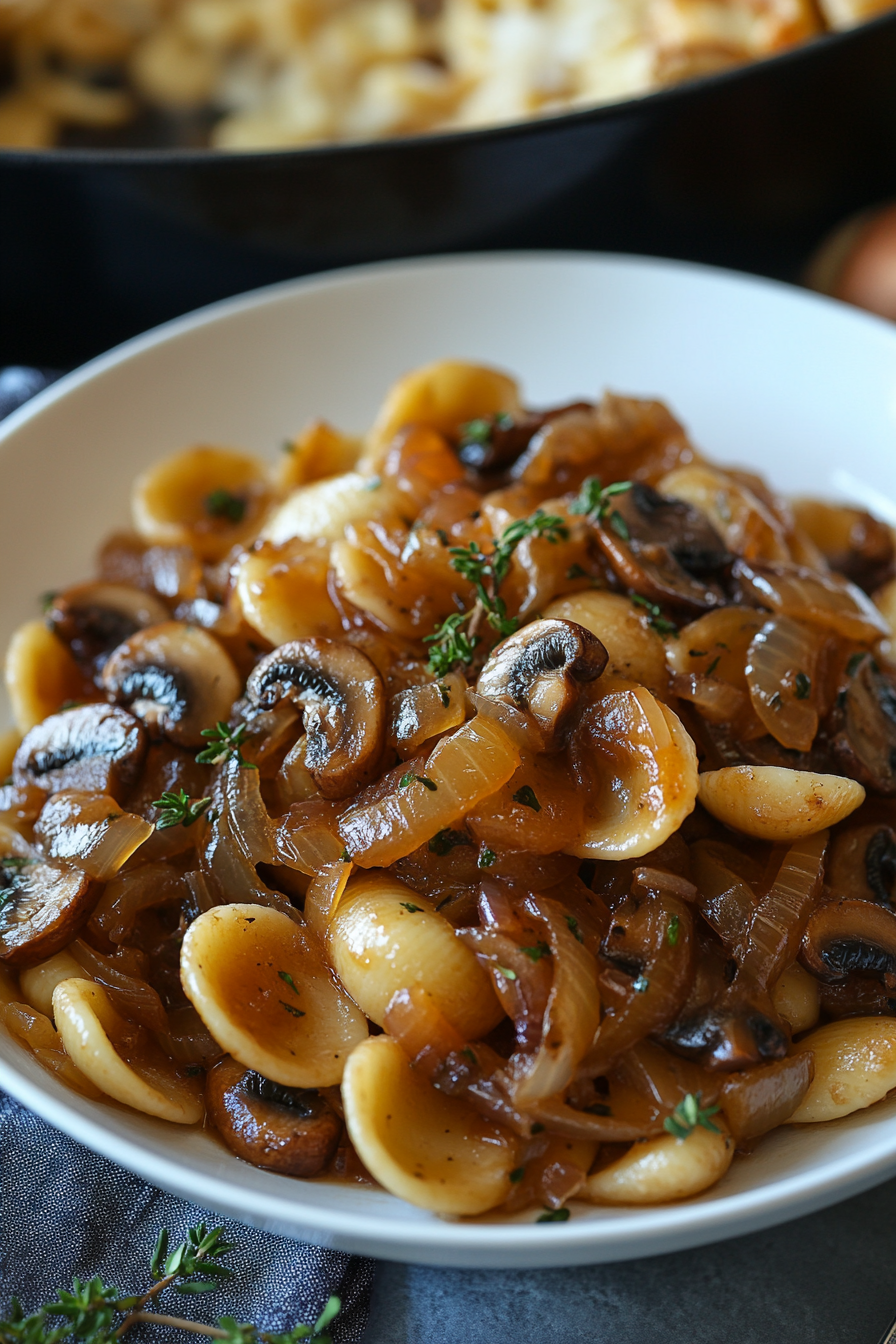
(826, 1279)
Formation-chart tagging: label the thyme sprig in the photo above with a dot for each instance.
(455, 639)
(178, 809)
(225, 744)
(595, 501)
(688, 1114)
(95, 1312)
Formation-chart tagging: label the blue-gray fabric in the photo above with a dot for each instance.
(66, 1211)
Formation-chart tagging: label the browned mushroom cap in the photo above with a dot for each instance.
(41, 909)
(541, 669)
(176, 678)
(288, 1129)
(862, 863)
(94, 618)
(844, 936)
(663, 549)
(862, 728)
(96, 748)
(488, 448)
(727, 1036)
(343, 702)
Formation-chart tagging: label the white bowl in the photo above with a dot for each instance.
(763, 375)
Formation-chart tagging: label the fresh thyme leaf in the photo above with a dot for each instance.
(641, 984)
(427, 783)
(225, 744)
(444, 841)
(223, 504)
(620, 526)
(486, 858)
(553, 1216)
(410, 907)
(345, 857)
(287, 978)
(160, 1251)
(46, 601)
(574, 929)
(470, 1054)
(713, 665)
(673, 930)
(576, 572)
(537, 952)
(444, 694)
(517, 1175)
(406, 779)
(410, 777)
(506, 972)
(526, 796)
(296, 1012)
(656, 619)
(177, 809)
(476, 431)
(595, 500)
(802, 686)
(450, 644)
(688, 1114)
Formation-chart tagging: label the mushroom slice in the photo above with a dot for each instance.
(433, 1150)
(94, 618)
(540, 670)
(262, 989)
(862, 863)
(176, 678)
(845, 936)
(644, 766)
(862, 728)
(288, 1129)
(121, 1059)
(42, 907)
(663, 549)
(773, 803)
(94, 747)
(343, 701)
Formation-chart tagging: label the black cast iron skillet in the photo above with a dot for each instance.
(747, 168)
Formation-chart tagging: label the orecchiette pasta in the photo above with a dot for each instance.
(499, 807)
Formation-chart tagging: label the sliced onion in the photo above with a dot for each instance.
(827, 600)
(779, 654)
(200, 891)
(132, 997)
(522, 729)
(244, 814)
(324, 894)
(187, 1039)
(780, 918)
(307, 839)
(238, 836)
(466, 766)
(144, 888)
(717, 701)
(90, 831)
(726, 901)
(295, 782)
(571, 1017)
(423, 712)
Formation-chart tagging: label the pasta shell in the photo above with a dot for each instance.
(855, 1066)
(325, 508)
(773, 803)
(91, 1030)
(283, 591)
(262, 989)
(434, 1151)
(41, 675)
(657, 1170)
(635, 651)
(384, 937)
(644, 766)
(206, 498)
(39, 982)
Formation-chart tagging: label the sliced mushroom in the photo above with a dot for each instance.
(94, 618)
(174, 677)
(98, 748)
(663, 549)
(845, 936)
(727, 1036)
(540, 670)
(862, 728)
(42, 907)
(343, 702)
(293, 1130)
(862, 863)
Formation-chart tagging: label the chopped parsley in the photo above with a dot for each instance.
(526, 797)
(177, 809)
(225, 744)
(486, 859)
(444, 841)
(410, 907)
(296, 1012)
(673, 930)
(656, 619)
(688, 1114)
(537, 952)
(223, 504)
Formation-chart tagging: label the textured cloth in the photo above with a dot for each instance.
(66, 1211)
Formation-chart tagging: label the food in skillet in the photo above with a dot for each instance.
(500, 806)
(270, 74)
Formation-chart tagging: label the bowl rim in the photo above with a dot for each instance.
(554, 122)
(630, 1232)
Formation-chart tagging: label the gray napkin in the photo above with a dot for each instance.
(65, 1211)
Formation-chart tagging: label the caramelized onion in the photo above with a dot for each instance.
(324, 893)
(761, 1099)
(726, 901)
(467, 765)
(132, 997)
(306, 837)
(826, 600)
(37, 1032)
(717, 701)
(422, 712)
(126, 896)
(780, 917)
(781, 671)
(90, 832)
